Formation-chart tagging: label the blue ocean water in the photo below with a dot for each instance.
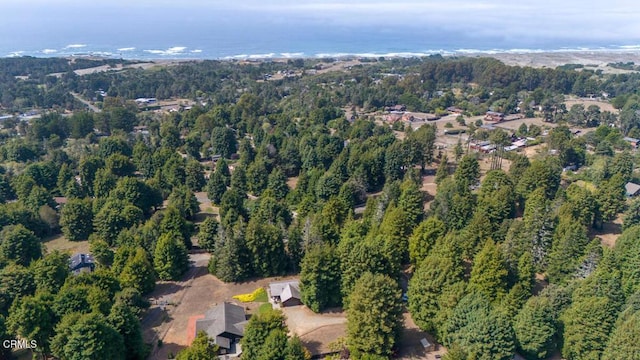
(209, 33)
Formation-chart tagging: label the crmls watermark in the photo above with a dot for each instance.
(19, 344)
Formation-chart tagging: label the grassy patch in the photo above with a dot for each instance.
(259, 295)
(266, 307)
(59, 242)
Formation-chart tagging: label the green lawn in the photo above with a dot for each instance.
(262, 297)
(59, 242)
(266, 307)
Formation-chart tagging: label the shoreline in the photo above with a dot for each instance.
(590, 58)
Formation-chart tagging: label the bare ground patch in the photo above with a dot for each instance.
(197, 292)
(610, 232)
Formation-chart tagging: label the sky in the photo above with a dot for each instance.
(612, 22)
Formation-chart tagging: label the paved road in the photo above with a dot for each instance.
(89, 105)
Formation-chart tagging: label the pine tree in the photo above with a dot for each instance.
(423, 239)
(320, 278)
(277, 182)
(489, 273)
(170, 258)
(539, 226)
(138, 272)
(435, 275)
(623, 343)
(216, 187)
(481, 331)
(443, 170)
(374, 316)
(536, 328)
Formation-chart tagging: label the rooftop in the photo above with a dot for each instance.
(225, 318)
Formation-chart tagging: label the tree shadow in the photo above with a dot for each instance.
(163, 289)
(155, 316)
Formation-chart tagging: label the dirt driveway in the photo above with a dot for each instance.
(301, 320)
(316, 331)
(197, 292)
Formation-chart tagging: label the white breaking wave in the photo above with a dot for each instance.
(292, 55)
(127, 49)
(196, 51)
(176, 50)
(75, 46)
(49, 51)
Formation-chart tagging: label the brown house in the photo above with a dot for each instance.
(493, 116)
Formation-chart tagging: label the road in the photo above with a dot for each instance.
(89, 105)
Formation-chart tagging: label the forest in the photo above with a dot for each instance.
(496, 262)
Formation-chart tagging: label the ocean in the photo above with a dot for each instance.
(210, 33)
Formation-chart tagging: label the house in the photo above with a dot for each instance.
(225, 325)
(455, 110)
(632, 189)
(513, 117)
(427, 345)
(396, 108)
(478, 145)
(632, 141)
(146, 101)
(493, 116)
(392, 118)
(286, 293)
(80, 263)
(409, 117)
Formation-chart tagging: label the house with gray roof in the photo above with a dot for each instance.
(80, 263)
(286, 293)
(225, 325)
(632, 189)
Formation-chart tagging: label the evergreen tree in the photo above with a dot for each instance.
(295, 350)
(259, 330)
(208, 234)
(473, 322)
(587, 324)
(320, 278)
(539, 226)
(468, 172)
(229, 262)
(277, 182)
(411, 203)
(264, 242)
(632, 214)
(170, 258)
(138, 272)
(216, 187)
(623, 343)
(239, 180)
(257, 177)
(423, 239)
(569, 245)
(435, 275)
(362, 257)
(31, 317)
(611, 197)
(124, 319)
(50, 272)
(194, 176)
(87, 336)
(374, 316)
(489, 273)
(536, 329)
(443, 170)
(627, 250)
(202, 348)
(19, 244)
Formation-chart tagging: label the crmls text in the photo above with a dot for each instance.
(20, 344)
